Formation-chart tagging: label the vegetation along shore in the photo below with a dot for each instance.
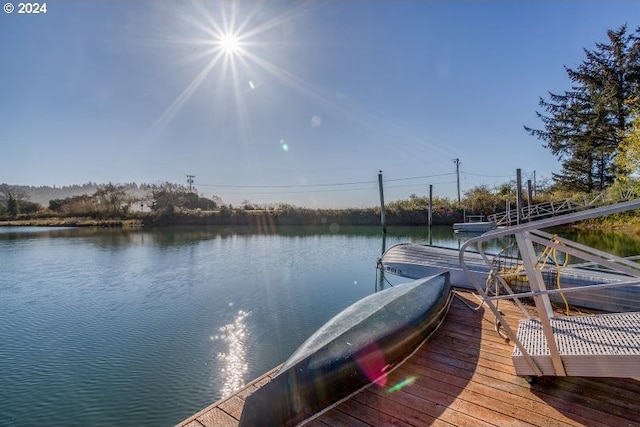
(167, 204)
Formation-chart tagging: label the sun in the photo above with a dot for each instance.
(229, 44)
(226, 41)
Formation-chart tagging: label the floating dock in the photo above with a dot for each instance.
(464, 376)
(473, 227)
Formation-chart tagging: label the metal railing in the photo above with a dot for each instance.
(549, 209)
(528, 234)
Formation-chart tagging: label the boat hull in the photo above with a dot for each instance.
(356, 348)
(414, 261)
(473, 227)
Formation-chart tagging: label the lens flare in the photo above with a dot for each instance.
(402, 384)
(372, 362)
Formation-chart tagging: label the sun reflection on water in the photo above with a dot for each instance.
(234, 360)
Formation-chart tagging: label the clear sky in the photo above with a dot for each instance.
(288, 101)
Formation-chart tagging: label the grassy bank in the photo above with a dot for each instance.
(624, 222)
(628, 222)
(304, 217)
(71, 222)
(241, 217)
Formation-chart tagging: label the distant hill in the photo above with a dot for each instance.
(43, 194)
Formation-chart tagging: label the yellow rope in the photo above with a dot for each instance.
(518, 273)
(551, 252)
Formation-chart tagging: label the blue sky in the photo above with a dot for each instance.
(319, 97)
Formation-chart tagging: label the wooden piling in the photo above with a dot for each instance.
(383, 219)
(518, 195)
(430, 221)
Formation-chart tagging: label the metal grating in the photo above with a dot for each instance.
(598, 345)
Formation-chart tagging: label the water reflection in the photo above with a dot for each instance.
(615, 242)
(234, 361)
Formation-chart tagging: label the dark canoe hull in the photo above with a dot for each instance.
(354, 349)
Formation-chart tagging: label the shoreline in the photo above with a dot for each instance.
(626, 225)
(73, 222)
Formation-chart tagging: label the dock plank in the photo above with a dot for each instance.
(336, 419)
(464, 376)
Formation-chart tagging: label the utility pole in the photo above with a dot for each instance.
(457, 163)
(190, 181)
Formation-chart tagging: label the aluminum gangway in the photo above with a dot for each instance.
(549, 209)
(554, 344)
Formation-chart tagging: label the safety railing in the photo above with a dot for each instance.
(555, 208)
(526, 235)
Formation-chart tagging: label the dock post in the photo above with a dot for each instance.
(529, 199)
(381, 279)
(430, 214)
(518, 195)
(430, 219)
(383, 219)
(457, 163)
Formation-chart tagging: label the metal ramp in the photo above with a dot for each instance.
(600, 345)
(605, 345)
(549, 209)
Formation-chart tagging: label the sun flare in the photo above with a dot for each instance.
(226, 40)
(229, 44)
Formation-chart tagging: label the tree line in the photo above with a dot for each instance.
(107, 201)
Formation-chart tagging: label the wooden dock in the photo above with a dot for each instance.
(464, 376)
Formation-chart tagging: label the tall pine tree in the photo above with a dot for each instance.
(584, 126)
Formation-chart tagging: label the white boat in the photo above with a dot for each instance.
(473, 224)
(473, 227)
(472, 265)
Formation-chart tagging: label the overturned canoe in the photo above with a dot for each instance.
(357, 347)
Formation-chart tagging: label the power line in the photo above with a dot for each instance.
(420, 185)
(289, 185)
(335, 184)
(325, 187)
(334, 190)
(302, 192)
(486, 176)
(420, 177)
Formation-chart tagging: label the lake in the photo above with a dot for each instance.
(109, 327)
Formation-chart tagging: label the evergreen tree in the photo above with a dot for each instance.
(584, 126)
(13, 207)
(629, 158)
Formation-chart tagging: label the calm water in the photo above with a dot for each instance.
(105, 328)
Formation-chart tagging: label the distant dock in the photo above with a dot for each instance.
(473, 224)
(473, 227)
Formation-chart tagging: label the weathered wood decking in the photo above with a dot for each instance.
(463, 376)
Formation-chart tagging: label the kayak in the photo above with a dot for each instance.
(356, 348)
